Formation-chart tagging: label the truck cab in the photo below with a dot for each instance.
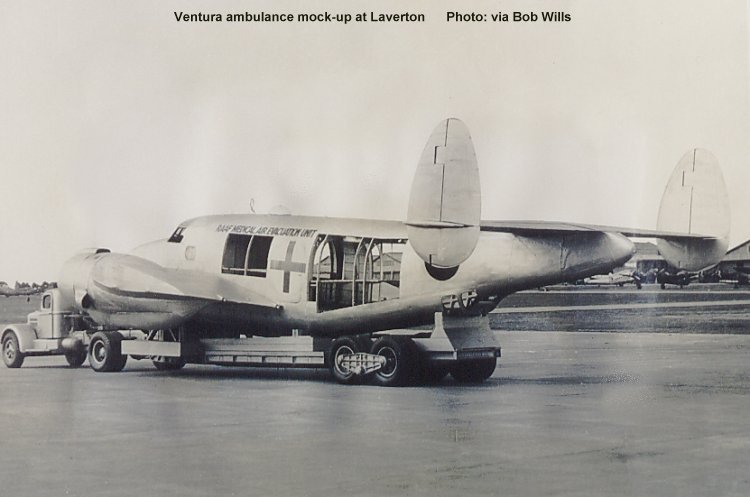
(51, 330)
(50, 320)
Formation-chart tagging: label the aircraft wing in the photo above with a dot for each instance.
(541, 228)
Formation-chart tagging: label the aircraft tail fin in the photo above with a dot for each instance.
(445, 200)
(695, 201)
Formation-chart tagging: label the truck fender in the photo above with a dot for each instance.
(24, 333)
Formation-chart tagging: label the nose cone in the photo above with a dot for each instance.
(74, 277)
(620, 247)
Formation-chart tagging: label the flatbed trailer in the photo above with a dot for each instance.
(466, 349)
(463, 346)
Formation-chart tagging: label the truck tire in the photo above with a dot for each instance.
(473, 371)
(105, 354)
(12, 355)
(343, 346)
(75, 357)
(400, 356)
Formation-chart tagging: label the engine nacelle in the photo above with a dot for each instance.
(75, 278)
(119, 291)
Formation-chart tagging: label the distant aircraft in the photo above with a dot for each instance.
(680, 278)
(362, 283)
(619, 278)
(738, 276)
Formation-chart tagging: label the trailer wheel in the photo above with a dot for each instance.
(105, 354)
(120, 363)
(400, 359)
(474, 371)
(75, 357)
(169, 363)
(340, 347)
(12, 355)
(431, 374)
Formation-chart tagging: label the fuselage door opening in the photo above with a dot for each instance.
(350, 271)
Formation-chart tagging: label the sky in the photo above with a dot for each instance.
(117, 122)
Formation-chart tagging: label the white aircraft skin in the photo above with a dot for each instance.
(502, 263)
(180, 282)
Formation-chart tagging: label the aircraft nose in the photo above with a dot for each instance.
(621, 248)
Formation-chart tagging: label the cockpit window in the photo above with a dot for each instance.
(177, 235)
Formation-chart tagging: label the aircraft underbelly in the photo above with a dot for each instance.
(236, 319)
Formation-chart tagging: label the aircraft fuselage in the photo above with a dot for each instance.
(267, 275)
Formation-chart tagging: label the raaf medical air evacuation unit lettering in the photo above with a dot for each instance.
(265, 230)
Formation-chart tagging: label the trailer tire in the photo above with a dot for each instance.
(343, 346)
(400, 355)
(169, 363)
(120, 363)
(105, 352)
(12, 355)
(76, 357)
(473, 371)
(431, 374)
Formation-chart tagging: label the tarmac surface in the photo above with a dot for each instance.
(566, 413)
(699, 308)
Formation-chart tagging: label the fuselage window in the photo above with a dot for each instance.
(246, 254)
(257, 256)
(177, 235)
(235, 251)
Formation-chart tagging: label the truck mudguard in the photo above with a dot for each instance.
(25, 334)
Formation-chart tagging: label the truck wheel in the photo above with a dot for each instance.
(105, 354)
(474, 371)
(400, 358)
(169, 363)
(12, 355)
(343, 346)
(75, 357)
